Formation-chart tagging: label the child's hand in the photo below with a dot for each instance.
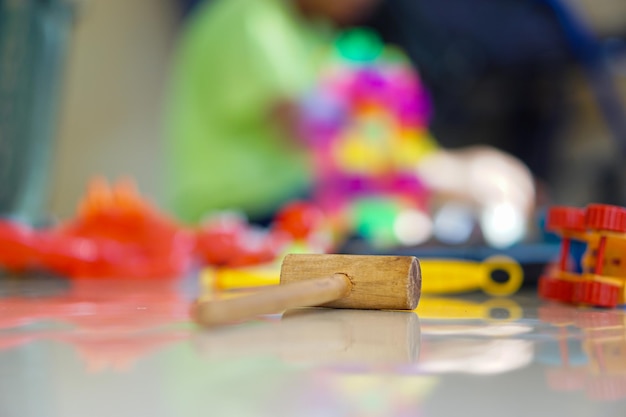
(482, 174)
(286, 115)
(499, 185)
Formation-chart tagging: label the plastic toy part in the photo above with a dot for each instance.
(366, 123)
(562, 219)
(299, 219)
(497, 276)
(602, 217)
(556, 289)
(582, 292)
(239, 278)
(600, 279)
(597, 294)
(16, 253)
(228, 240)
(117, 234)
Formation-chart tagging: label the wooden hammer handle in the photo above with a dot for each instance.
(306, 293)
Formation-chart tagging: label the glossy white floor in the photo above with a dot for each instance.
(98, 349)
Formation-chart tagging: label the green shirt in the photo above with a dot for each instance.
(236, 60)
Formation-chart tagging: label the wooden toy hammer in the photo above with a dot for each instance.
(337, 281)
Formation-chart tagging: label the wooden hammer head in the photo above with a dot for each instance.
(378, 282)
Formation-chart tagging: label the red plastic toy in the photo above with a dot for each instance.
(602, 282)
(117, 234)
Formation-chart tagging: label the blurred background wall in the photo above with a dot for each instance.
(112, 103)
(587, 154)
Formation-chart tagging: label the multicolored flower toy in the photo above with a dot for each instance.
(366, 123)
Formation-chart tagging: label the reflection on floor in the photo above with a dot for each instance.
(111, 327)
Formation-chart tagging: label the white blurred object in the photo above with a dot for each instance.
(412, 227)
(503, 225)
(495, 177)
(453, 223)
(498, 184)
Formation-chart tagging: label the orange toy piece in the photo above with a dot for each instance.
(119, 213)
(117, 234)
(602, 282)
(16, 252)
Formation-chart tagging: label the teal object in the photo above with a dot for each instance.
(374, 219)
(34, 38)
(359, 45)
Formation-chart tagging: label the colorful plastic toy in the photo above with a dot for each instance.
(497, 276)
(602, 280)
(366, 123)
(117, 234)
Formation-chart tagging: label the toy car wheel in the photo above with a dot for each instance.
(562, 218)
(605, 217)
(556, 289)
(597, 294)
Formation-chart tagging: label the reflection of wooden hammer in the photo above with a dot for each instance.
(321, 336)
(339, 281)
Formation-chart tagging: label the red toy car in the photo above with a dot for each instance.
(602, 282)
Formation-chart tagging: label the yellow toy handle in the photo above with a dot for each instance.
(444, 276)
(508, 269)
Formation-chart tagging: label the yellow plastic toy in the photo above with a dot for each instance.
(497, 276)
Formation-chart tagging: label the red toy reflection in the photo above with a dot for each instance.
(110, 323)
(597, 363)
